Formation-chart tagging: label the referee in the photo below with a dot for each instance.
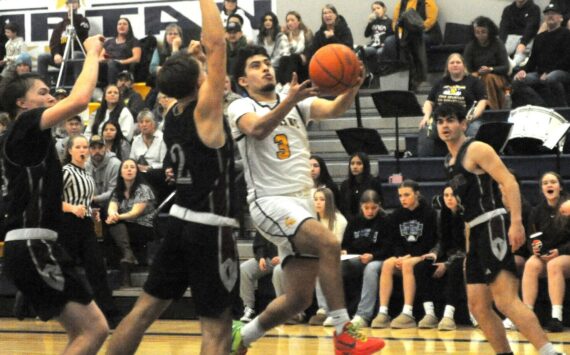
(78, 233)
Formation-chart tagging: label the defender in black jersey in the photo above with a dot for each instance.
(474, 171)
(199, 250)
(32, 191)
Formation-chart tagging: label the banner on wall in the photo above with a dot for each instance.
(37, 18)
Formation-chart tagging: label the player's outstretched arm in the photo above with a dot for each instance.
(485, 157)
(259, 127)
(322, 108)
(82, 91)
(209, 109)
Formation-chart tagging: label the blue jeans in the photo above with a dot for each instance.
(551, 90)
(369, 293)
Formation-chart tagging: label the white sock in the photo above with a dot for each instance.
(340, 318)
(473, 319)
(547, 349)
(557, 311)
(383, 310)
(449, 311)
(251, 332)
(408, 310)
(531, 307)
(429, 308)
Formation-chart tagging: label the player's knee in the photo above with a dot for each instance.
(299, 301)
(477, 307)
(553, 268)
(330, 244)
(98, 331)
(533, 266)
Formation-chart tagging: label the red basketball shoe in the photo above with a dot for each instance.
(352, 342)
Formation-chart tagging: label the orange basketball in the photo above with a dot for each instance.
(334, 68)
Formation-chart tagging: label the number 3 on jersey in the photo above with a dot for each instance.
(283, 145)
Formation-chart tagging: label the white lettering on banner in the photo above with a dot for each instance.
(37, 18)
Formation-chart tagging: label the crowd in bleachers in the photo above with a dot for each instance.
(128, 166)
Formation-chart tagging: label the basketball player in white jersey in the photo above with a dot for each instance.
(270, 132)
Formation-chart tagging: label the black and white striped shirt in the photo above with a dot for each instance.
(78, 186)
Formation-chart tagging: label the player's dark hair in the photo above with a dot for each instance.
(14, 87)
(450, 110)
(178, 77)
(243, 55)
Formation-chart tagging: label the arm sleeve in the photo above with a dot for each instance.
(468, 56)
(502, 58)
(532, 25)
(503, 26)
(127, 123)
(368, 29)
(396, 15)
(432, 12)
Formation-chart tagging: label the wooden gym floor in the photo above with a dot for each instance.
(183, 337)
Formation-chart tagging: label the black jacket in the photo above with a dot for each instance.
(342, 35)
(524, 21)
(555, 228)
(414, 232)
(368, 236)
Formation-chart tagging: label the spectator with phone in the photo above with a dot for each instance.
(551, 249)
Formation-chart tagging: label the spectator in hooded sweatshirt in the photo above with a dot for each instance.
(414, 236)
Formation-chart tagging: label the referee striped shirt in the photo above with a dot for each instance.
(78, 186)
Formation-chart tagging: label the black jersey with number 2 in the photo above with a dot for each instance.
(203, 175)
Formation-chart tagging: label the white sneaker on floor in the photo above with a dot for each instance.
(359, 322)
(509, 325)
(328, 322)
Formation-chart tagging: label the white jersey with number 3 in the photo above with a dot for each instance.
(279, 163)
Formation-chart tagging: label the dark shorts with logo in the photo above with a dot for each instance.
(201, 257)
(489, 252)
(46, 275)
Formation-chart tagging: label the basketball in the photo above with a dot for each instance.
(334, 68)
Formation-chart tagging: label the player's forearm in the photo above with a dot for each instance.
(85, 84)
(343, 102)
(213, 33)
(514, 199)
(267, 123)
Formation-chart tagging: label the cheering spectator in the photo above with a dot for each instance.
(334, 29)
(551, 254)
